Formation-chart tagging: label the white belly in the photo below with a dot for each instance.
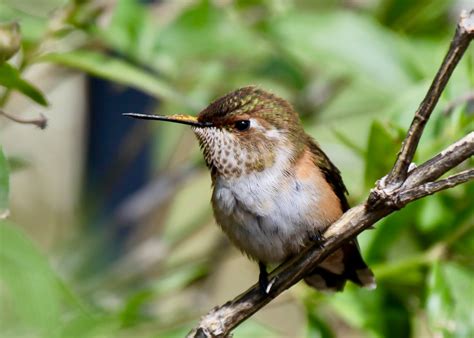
(268, 215)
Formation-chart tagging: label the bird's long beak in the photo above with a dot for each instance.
(176, 118)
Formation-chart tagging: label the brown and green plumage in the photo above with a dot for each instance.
(274, 189)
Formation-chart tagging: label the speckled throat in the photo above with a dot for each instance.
(274, 128)
(232, 156)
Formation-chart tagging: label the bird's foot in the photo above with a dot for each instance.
(263, 278)
(317, 237)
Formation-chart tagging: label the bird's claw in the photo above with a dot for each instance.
(317, 237)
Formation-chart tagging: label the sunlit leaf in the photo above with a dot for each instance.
(32, 27)
(449, 302)
(440, 302)
(461, 283)
(10, 78)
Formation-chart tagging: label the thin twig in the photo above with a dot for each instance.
(41, 121)
(430, 188)
(462, 37)
(437, 166)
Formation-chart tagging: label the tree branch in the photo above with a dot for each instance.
(389, 195)
(462, 37)
(441, 163)
(41, 121)
(430, 188)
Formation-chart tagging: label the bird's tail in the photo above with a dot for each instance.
(342, 265)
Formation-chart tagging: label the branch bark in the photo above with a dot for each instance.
(41, 121)
(430, 188)
(462, 38)
(392, 192)
(435, 167)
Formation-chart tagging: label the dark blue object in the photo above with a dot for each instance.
(113, 171)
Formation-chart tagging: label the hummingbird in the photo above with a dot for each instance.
(274, 190)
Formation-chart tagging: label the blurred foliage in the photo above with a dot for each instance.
(4, 185)
(10, 40)
(10, 78)
(355, 70)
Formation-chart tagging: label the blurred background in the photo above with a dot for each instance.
(110, 231)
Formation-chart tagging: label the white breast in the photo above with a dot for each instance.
(271, 214)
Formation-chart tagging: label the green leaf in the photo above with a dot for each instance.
(32, 288)
(346, 140)
(4, 185)
(32, 27)
(205, 31)
(382, 148)
(357, 42)
(359, 308)
(389, 235)
(37, 8)
(434, 213)
(317, 327)
(10, 78)
(252, 328)
(428, 13)
(439, 303)
(92, 327)
(461, 284)
(174, 282)
(449, 301)
(116, 70)
(128, 29)
(379, 313)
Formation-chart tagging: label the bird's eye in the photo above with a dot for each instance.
(242, 125)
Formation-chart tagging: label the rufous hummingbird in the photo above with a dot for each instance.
(274, 190)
